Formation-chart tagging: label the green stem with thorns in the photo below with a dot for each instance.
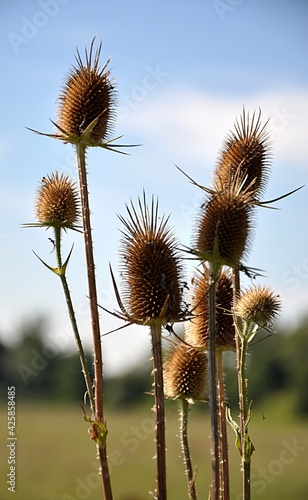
(184, 406)
(62, 275)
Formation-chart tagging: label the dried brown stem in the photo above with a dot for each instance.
(161, 482)
(224, 460)
(185, 449)
(214, 272)
(98, 363)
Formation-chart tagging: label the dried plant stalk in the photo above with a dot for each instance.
(151, 272)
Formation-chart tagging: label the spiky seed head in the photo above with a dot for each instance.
(151, 266)
(246, 155)
(57, 202)
(88, 94)
(258, 304)
(185, 373)
(224, 226)
(197, 333)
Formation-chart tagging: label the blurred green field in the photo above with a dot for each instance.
(56, 459)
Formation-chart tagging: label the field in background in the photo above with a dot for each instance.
(56, 459)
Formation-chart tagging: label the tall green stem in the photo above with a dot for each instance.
(247, 447)
(161, 481)
(184, 405)
(214, 273)
(98, 362)
(71, 312)
(241, 351)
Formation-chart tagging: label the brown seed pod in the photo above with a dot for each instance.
(258, 304)
(57, 202)
(151, 266)
(224, 226)
(88, 94)
(245, 155)
(185, 373)
(197, 333)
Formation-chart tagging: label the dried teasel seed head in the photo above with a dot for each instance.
(57, 202)
(88, 94)
(224, 226)
(197, 333)
(258, 304)
(245, 155)
(151, 266)
(185, 373)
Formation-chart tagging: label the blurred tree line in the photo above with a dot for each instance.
(277, 365)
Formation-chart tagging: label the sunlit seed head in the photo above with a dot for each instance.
(224, 225)
(246, 155)
(57, 201)
(88, 94)
(197, 333)
(185, 373)
(258, 304)
(151, 266)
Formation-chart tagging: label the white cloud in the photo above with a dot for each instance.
(194, 125)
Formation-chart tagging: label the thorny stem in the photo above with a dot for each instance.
(161, 482)
(241, 348)
(224, 461)
(98, 363)
(71, 312)
(183, 409)
(246, 444)
(214, 273)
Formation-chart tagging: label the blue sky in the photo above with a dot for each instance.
(183, 72)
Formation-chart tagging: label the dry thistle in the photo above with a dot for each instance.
(185, 373)
(153, 289)
(258, 305)
(57, 202)
(198, 331)
(87, 98)
(245, 155)
(224, 226)
(151, 267)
